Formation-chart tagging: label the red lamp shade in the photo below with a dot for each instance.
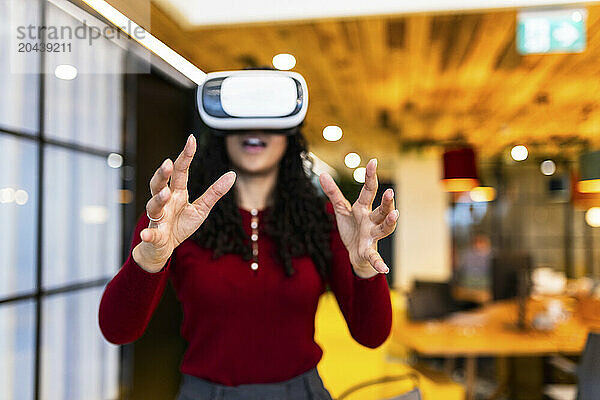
(589, 165)
(460, 170)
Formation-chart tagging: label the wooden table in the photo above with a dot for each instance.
(490, 332)
(480, 296)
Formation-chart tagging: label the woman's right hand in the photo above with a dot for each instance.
(181, 218)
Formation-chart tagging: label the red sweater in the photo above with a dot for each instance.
(244, 326)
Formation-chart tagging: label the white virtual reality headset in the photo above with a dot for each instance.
(253, 99)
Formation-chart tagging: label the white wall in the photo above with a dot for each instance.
(422, 241)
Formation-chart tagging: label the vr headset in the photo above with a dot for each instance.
(253, 99)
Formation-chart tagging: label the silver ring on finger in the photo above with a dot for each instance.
(156, 219)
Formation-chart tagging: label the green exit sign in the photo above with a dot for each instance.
(551, 31)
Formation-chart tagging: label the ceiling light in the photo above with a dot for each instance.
(592, 217)
(460, 184)
(589, 186)
(352, 160)
(284, 61)
(93, 214)
(147, 40)
(7, 195)
(519, 153)
(548, 167)
(482, 194)
(114, 160)
(21, 197)
(359, 174)
(66, 72)
(332, 133)
(576, 16)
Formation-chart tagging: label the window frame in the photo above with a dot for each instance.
(38, 136)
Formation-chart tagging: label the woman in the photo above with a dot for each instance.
(249, 265)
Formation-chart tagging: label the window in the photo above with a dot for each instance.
(60, 211)
(18, 213)
(19, 105)
(81, 217)
(76, 362)
(17, 349)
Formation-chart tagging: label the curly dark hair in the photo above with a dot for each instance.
(297, 221)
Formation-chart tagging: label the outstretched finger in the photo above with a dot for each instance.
(156, 204)
(333, 192)
(386, 227)
(182, 165)
(376, 261)
(386, 206)
(217, 190)
(369, 189)
(161, 177)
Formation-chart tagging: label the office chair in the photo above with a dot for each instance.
(430, 300)
(511, 277)
(511, 273)
(587, 373)
(413, 394)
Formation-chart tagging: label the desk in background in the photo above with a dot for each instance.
(490, 332)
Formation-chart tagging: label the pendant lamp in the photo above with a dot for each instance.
(460, 170)
(589, 166)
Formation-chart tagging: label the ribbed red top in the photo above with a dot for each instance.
(245, 326)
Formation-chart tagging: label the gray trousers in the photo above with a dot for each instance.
(306, 386)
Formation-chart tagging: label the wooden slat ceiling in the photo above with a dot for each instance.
(395, 81)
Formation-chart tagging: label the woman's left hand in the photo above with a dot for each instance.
(360, 226)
